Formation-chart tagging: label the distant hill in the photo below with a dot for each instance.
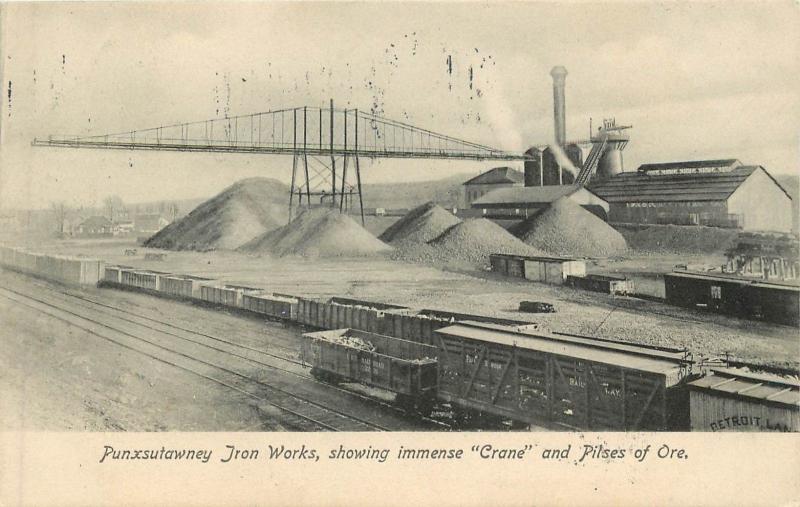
(407, 195)
(791, 182)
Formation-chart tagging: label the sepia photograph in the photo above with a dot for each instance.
(435, 218)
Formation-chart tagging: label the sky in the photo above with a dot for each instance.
(696, 81)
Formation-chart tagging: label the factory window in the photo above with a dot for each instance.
(716, 292)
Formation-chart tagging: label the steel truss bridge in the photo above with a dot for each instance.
(323, 143)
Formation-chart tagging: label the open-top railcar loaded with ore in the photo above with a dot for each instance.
(406, 368)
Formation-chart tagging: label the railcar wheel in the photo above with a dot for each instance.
(425, 406)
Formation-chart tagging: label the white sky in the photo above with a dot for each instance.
(696, 81)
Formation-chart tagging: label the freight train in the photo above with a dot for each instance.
(499, 368)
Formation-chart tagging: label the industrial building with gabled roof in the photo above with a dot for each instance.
(513, 202)
(723, 193)
(498, 177)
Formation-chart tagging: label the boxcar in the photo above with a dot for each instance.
(400, 366)
(538, 269)
(59, 268)
(743, 298)
(559, 381)
(728, 399)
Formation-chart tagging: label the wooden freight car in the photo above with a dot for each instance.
(142, 279)
(183, 286)
(406, 368)
(113, 274)
(274, 305)
(729, 399)
(735, 296)
(552, 270)
(59, 268)
(558, 381)
(225, 295)
(606, 284)
(341, 313)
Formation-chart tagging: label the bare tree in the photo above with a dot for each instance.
(113, 206)
(60, 212)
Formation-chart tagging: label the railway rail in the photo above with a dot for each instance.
(299, 412)
(245, 349)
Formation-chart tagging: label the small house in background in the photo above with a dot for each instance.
(720, 193)
(522, 202)
(499, 177)
(149, 223)
(94, 226)
(123, 228)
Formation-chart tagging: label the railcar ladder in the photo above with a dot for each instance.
(590, 166)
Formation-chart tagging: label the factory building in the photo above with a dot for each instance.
(499, 177)
(522, 202)
(562, 163)
(721, 193)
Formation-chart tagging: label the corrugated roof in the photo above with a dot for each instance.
(642, 187)
(689, 164)
(730, 382)
(496, 176)
(572, 348)
(526, 195)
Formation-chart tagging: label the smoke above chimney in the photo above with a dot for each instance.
(559, 74)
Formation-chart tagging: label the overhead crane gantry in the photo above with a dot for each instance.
(309, 134)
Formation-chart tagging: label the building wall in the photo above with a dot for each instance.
(764, 206)
(583, 197)
(681, 213)
(471, 193)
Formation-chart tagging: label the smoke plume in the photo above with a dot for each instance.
(563, 160)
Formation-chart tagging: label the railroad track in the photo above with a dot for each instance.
(297, 412)
(246, 354)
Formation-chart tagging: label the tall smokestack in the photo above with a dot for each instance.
(559, 79)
